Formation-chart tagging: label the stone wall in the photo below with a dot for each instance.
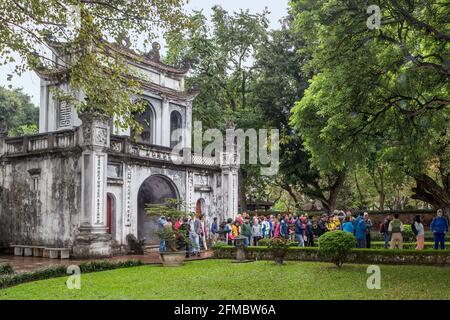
(40, 199)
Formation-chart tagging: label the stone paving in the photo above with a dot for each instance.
(25, 264)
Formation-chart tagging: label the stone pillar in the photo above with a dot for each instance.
(165, 123)
(230, 168)
(93, 239)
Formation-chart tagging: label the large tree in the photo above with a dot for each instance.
(387, 86)
(84, 30)
(280, 83)
(222, 53)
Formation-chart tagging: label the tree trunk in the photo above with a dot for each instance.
(358, 187)
(382, 199)
(242, 190)
(292, 194)
(334, 191)
(429, 191)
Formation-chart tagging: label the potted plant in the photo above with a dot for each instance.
(175, 240)
(278, 247)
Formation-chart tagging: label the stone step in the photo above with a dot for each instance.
(152, 248)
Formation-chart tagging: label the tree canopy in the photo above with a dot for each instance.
(378, 94)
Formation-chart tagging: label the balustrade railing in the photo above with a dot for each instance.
(39, 142)
(126, 146)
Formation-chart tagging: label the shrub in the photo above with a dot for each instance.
(408, 235)
(219, 245)
(263, 243)
(6, 268)
(336, 246)
(279, 248)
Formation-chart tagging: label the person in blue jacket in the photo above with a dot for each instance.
(360, 231)
(439, 227)
(348, 225)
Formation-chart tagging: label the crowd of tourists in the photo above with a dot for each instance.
(300, 228)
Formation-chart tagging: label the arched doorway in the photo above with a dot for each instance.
(200, 207)
(155, 190)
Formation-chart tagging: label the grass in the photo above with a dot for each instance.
(222, 279)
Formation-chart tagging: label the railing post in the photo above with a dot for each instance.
(25, 142)
(51, 140)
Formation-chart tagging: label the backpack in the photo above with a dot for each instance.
(396, 226)
(382, 228)
(414, 229)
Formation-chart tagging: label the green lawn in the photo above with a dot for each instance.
(222, 279)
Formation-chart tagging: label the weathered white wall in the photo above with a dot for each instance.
(48, 216)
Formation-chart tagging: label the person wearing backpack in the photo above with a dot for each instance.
(247, 231)
(439, 227)
(396, 232)
(418, 229)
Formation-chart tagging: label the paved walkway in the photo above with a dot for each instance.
(25, 264)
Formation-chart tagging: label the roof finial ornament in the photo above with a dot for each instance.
(154, 53)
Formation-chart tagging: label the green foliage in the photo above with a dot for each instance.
(336, 246)
(223, 51)
(408, 235)
(172, 208)
(210, 279)
(6, 268)
(60, 271)
(377, 96)
(175, 209)
(20, 114)
(278, 244)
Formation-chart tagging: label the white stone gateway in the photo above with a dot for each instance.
(83, 184)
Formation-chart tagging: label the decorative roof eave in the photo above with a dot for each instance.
(148, 62)
(52, 74)
(62, 49)
(180, 96)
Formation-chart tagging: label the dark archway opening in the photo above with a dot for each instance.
(155, 190)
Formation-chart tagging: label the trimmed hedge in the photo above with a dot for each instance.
(406, 245)
(382, 256)
(60, 271)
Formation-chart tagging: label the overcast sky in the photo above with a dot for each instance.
(278, 9)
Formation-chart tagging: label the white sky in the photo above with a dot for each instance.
(278, 9)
